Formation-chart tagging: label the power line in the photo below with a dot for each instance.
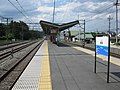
(23, 9)
(1, 16)
(109, 19)
(18, 10)
(106, 9)
(101, 16)
(100, 13)
(6, 19)
(20, 5)
(65, 13)
(110, 6)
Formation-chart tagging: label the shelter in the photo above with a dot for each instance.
(88, 37)
(52, 29)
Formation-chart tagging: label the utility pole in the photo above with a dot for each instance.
(7, 28)
(13, 29)
(83, 31)
(109, 19)
(21, 25)
(79, 29)
(84, 34)
(33, 28)
(117, 4)
(54, 12)
(7, 22)
(22, 32)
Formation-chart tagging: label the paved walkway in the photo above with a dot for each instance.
(72, 69)
(68, 68)
(37, 74)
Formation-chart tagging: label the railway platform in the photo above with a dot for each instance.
(61, 67)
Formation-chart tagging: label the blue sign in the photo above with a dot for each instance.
(102, 45)
(103, 50)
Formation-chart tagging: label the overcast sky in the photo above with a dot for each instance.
(95, 12)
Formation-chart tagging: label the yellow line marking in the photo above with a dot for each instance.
(45, 76)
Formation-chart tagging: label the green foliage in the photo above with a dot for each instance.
(10, 36)
(117, 43)
(36, 34)
(3, 38)
(2, 30)
(18, 31)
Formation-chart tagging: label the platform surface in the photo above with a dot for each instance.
(72, 68)
(37, 74)
(67, 68)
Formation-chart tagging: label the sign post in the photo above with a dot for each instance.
(102, 47)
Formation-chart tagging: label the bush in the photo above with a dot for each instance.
(3, 38)
(117, 43)
(10, 36)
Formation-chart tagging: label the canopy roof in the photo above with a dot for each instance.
(47, 26)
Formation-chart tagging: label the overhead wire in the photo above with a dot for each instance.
(65, 13)
(1, 16)
(23, 10)
(101, 16)
(99, 13)
(18, 10)
(102, 12)
(20, 5)
(108, 7)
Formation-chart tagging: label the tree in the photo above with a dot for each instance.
(19, 31)
(36, 34)
(2, 30)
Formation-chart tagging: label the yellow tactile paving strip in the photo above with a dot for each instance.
(45, 76)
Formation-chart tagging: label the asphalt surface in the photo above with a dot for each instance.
(72, 69)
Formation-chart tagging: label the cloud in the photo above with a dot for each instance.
(69, 6)
(62, 8)
(93, 7)
(45, 9)
(42, 1)
(61, 11)
(46, 1)
(65, 11)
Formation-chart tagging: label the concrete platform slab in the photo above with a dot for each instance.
(72, 69)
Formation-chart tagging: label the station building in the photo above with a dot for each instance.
(52, 30)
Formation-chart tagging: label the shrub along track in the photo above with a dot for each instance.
(10, 73)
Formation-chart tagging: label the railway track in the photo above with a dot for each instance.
(91, 47)
(9, 76)
(4, 47)
(8, 43)
(15, 48)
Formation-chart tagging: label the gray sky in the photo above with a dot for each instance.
(95, 12)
